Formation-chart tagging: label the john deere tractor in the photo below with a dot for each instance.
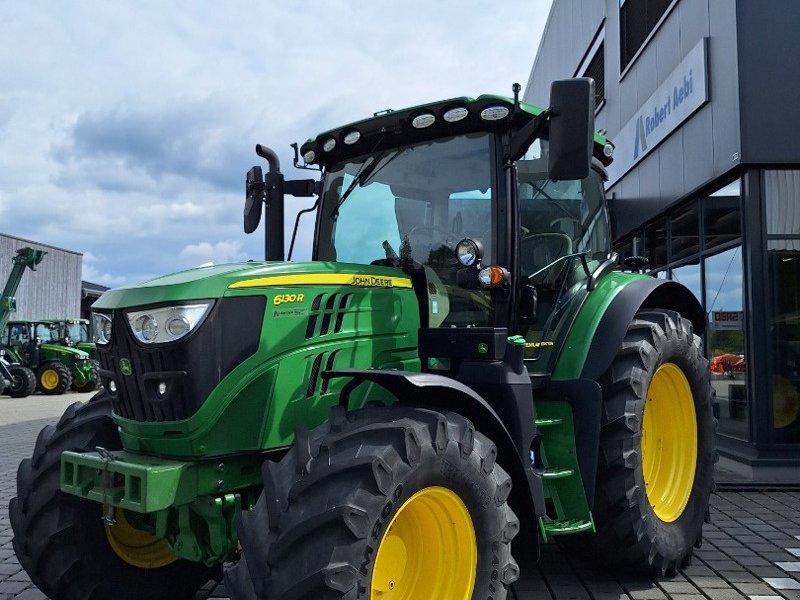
(74, 333)
(58, 366)
(459, 374)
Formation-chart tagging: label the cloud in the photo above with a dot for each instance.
(127, 128)
(221, 252)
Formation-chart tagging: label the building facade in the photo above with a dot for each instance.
(700, 100)
(53, 290)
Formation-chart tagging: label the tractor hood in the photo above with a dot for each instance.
(221, 280)
(64, 350)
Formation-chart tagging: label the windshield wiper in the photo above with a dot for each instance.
(360, 178)
(366, 172)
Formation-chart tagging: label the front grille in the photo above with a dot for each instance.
(191, 367)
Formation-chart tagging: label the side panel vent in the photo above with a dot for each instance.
(329, 317)
(314, 377)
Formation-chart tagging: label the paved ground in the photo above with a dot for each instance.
(751, 549)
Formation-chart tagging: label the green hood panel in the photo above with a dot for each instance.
(217, 281)
(56, 350)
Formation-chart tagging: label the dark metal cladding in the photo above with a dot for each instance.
(191, 368)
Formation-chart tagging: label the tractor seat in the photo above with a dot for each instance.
(541, 249)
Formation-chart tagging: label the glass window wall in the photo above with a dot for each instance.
(782, 199)
(725, 340)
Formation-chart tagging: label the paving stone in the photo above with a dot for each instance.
(757, 589)
(709, 582)
(783, 583)
(678, 587)
(723, 594)
(789, 567)
(735, 577)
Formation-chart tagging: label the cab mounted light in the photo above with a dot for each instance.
(423, 120)
(455, 114)
(329, 145)
(469, 252)
(494, 113)
(309, 156)
(492, 276)
(352, 137)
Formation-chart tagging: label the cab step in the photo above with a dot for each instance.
(556, 473)
(551, 528)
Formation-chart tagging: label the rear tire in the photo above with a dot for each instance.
(398, 498)
(60, 540)
(655, 475)
(53, 378)
(23, 381)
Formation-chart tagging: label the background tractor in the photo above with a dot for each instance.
(17, 380)
(58, 366)
(74, 333)
(458, 374)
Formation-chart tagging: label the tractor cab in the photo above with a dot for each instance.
(488, 204)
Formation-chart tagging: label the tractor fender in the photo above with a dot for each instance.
(443, 393)
(639, 294)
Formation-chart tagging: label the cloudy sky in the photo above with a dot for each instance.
(126, 128)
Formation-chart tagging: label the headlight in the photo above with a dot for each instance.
(101, 326)
(167, 323)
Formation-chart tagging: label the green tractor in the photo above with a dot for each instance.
(460, 374)
(37, 344)
(74, 333)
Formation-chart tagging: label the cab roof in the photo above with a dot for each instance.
(393, 128)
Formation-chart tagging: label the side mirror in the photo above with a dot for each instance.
(571, 128)
(254, 199)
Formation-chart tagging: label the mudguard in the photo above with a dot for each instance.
(637, 295)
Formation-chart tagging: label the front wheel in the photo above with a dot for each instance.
(657, 454)
(23, 381)
(53, 378)
(393, 503)
(61, 541)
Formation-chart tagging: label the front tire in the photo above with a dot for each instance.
(399, 502)
(657, 454)
(23, 381)
(53, 378)
(60, 540)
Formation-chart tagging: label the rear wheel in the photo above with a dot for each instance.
(655, 472)
(53, 378)
(61, 541)
(23, 381)
(391, 503)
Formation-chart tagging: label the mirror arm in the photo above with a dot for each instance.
(527, 134)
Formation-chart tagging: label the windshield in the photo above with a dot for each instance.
(415, 202)
(77, 332)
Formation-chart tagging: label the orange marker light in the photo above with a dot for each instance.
(492, 276)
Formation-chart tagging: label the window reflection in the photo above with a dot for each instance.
(689, 275)
(783, 251)
(725, 340)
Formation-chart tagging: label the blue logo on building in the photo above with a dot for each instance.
(652, 123)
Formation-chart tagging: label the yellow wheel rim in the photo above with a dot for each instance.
(429, 550)
(137, 547)
(49, 379)
(669, 442)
